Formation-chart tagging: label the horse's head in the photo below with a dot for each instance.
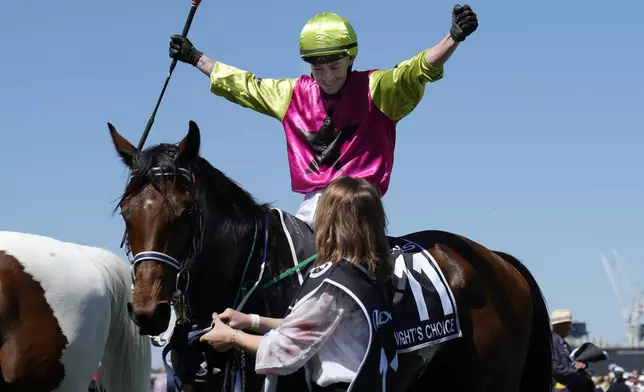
(163, 223)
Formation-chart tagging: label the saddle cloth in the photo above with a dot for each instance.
(423, 307)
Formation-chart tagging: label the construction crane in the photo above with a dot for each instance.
(632, 310)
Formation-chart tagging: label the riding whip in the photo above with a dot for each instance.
(148, 126)
(186, 28)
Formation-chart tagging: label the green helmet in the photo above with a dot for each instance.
(327, 37)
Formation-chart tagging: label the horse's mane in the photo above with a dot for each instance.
(162, 155)
(235, 208)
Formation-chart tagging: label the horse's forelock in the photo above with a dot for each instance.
(163, 156)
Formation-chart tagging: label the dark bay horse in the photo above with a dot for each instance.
(196, 233)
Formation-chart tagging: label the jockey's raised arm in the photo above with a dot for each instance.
(266, 96)
(398, 90)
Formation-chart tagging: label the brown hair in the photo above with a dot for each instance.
(350, 224)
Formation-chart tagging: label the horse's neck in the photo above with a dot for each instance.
(217, 271)
(273, 301)
(226, 255)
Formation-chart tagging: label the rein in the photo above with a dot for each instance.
(271, 282)
(261, 271)
(289, 271)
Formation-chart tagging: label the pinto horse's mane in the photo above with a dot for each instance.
(235, 208)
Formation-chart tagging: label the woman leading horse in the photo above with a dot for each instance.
(330, 329)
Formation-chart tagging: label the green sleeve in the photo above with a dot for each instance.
(398, 90)
(266, 96)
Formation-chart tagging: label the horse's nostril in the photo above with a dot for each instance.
(152, 320)
(162, 314)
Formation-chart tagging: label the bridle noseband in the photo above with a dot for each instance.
(182, 266)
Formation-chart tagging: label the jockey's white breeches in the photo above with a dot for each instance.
(307, 209)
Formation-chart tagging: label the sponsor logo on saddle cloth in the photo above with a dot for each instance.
(423, 310)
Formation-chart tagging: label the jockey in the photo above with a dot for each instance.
(338, 121)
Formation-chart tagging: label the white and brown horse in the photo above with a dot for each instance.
(62, 312)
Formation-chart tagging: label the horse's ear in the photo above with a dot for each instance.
(124, 148)
(189, 146)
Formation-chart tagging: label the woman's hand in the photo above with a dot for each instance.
(221, 335)
(236, 319)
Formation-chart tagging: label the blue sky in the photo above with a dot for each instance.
(530, 144)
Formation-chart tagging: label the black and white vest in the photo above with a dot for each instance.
(378, 370)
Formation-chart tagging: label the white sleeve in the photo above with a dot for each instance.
(287, 348)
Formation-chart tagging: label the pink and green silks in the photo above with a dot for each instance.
(352, 133)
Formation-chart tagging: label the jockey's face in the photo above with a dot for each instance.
(332, 76)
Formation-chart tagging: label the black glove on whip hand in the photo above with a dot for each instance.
(182, 49)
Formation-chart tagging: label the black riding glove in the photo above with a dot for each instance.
(464, 22)
(182, 49)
